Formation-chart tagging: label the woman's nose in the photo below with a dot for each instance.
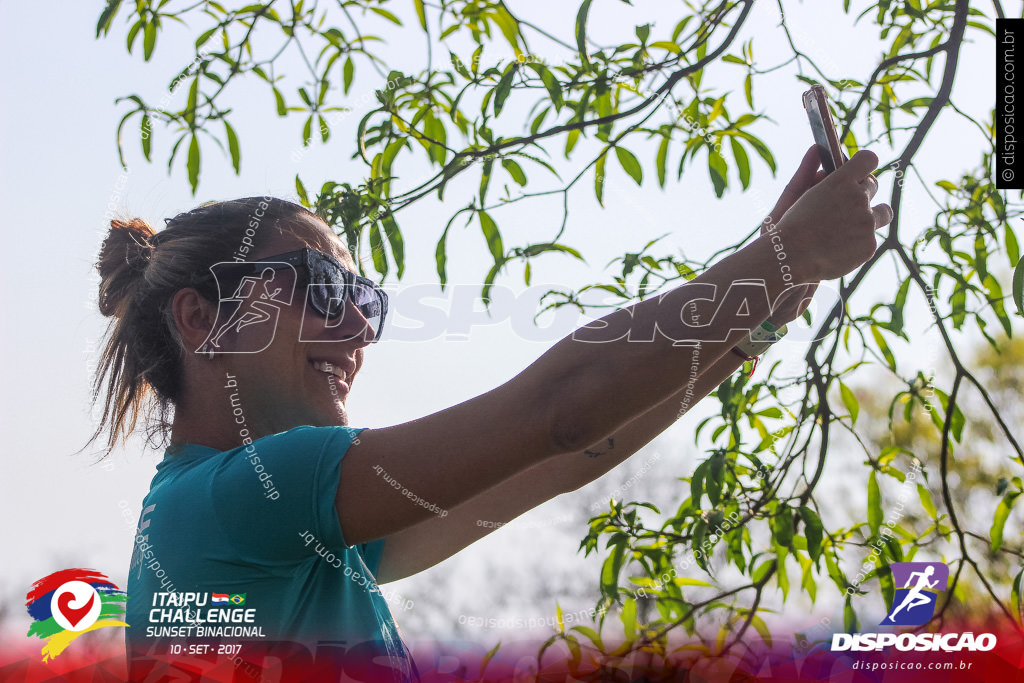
(351, 325)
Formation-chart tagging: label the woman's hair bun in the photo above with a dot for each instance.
(126, 251)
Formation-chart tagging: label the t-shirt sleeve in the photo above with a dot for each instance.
(276, 496)
(372, 552)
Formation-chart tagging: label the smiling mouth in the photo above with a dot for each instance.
(330, 369)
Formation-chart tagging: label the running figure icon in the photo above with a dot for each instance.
(254, 301)
(915, 597)
(250, 311)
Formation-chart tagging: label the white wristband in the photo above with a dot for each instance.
(760, 338)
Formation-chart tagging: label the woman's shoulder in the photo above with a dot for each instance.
(304, 435)
(296, 436)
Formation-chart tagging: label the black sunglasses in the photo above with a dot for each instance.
(331, 286)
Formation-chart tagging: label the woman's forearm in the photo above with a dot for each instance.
(571, 471)
(641, 355)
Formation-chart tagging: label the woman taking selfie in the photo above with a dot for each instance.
(272, 521)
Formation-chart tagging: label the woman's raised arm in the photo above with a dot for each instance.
(606, 373)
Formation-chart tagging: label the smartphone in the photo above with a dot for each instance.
(823, 129)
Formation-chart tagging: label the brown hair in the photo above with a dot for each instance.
(140, 366)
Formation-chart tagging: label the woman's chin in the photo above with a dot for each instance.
(332, 415)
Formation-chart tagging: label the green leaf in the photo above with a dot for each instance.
(926, 501)
(490, 230)
(206, 35)
(193, 163)
(742, 161)
(421, 13)
(599, 178)
(687, 581)
(307, 131)
(850, 624)
(581, 34)
(347, 73)
(233, 147)
(475, 64)
(697, 483)
(700, 530)
(781, 575)
(630, 164)
(718, 169)
(667, 45)
(850, 401)
(550, 82)
(661, 162)
(570, 141)
(504, 87)
(133, 33)
(1018, 286)
(441, 257)
(514, 170)
(782, 528)
(394, 236)
(762, 151)
(611, 568)
(300, 190)
(485, 178)
(459, 66)
(192, 103)
(1012, 247)
(834, 572)
(146, 131)
(890, 360)
(715, 478)
(999, 520)
(590, 633)
(387, 15)
(874, 504)
(282, 108)
(148, 40)
(380, 259)
(813, 531)
(490, 653)
(762, 629)
(629, 618)
(107, 17)
(1015, 596)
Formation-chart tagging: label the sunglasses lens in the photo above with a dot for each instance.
(335, 294)
(357, 306)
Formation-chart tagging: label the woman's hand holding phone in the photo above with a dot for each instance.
(829, 230)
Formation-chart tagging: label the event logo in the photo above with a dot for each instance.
(918, 585)
(254, 301)
(68, 603)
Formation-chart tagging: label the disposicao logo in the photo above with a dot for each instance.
(918, 585)
(68, 603)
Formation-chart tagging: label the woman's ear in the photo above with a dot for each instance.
(194, 315)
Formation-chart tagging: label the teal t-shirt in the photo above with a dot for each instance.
(244, 546)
